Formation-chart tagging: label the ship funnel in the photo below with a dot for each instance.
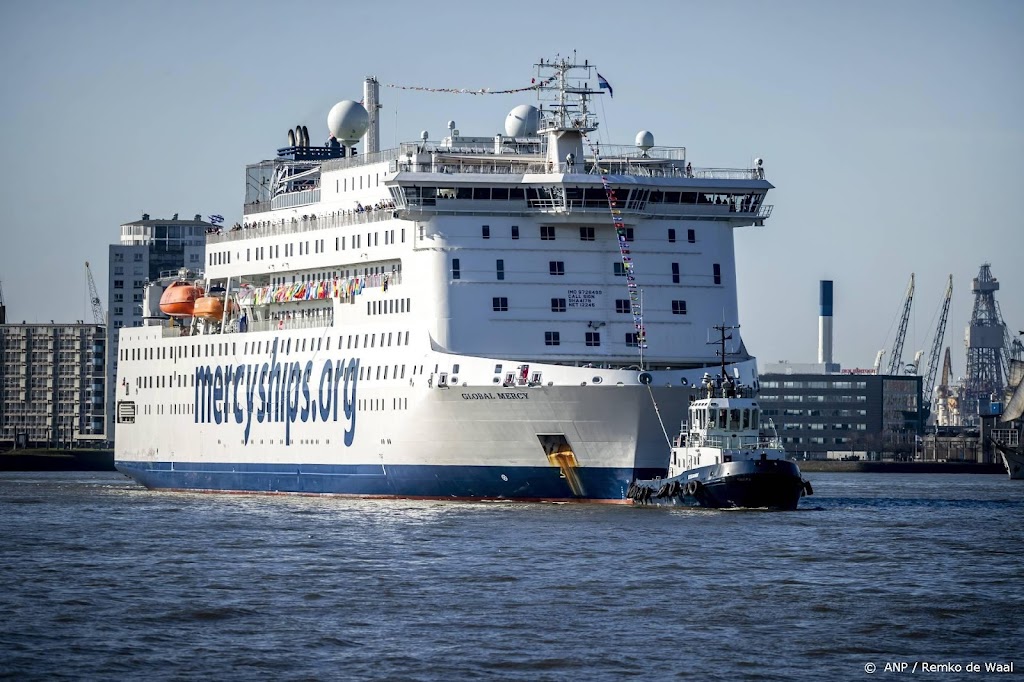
(825, 322)
(371, 100)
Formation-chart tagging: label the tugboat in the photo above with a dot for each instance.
(722, 458)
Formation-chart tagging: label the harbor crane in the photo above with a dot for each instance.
(98, 315)
(897, 348)
(933, 356)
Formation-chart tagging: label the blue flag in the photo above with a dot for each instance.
(603, 84)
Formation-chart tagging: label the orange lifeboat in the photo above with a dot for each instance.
(212, 308)
(178, 300)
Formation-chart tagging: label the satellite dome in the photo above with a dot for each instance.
(347, 121)
(522, 121)
(645, 139)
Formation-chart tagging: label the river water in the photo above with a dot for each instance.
(103, 579)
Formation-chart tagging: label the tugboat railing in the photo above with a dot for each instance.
(759, 442)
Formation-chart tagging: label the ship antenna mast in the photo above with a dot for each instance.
(723, 330)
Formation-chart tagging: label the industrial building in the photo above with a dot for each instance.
(821, 416)
(53, 378)
(897, 410)
(149, 248)
(821, 412)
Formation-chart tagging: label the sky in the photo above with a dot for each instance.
(892, 131)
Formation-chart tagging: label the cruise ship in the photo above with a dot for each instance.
(513, 316)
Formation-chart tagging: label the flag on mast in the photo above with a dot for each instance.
(603, 84)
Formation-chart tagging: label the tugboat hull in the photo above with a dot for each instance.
(749, 484)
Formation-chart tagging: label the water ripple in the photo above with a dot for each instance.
(129, 583)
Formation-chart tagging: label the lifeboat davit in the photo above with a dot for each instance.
(212, 308)
(178, 300)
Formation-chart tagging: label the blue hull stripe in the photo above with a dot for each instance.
(368, 480)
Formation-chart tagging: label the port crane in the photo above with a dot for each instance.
(897, 348)
(98, 315)
(933, 356)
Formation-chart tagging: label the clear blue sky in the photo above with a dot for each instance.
(894, 131)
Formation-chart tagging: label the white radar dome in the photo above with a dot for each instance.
(645, 139)
(348, 121)
(523, 121)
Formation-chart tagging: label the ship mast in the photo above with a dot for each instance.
(563, 84)
(723, 330)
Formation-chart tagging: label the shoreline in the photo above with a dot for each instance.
(103, 460)
(874, 467)
(36, 459)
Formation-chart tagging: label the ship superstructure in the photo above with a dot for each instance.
(476, 317)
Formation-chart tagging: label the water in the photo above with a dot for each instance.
(105, 580)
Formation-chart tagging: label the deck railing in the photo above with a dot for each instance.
(273, 228)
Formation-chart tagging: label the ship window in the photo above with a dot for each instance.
(675, 273)
(556, 267)
(618, 269)
(746, 419)
(497, 369)
(389, 338)
(500, 304)
(407, 338)
(547, 232)
(586, 234)
(516, 193)
(482, 193)
(515, 232)
(500, 268)
(672, 235)
(631, 340)
(385, 372)
(678, 307)
(558, 305)
(717, 273)
(622, 305)
(734, 420)
(551, 339)
(373, 340)
(499, 193)
(456, 271)
(593, 338)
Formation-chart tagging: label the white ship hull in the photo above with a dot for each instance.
(409, 436)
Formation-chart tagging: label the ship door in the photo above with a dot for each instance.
(559, 452)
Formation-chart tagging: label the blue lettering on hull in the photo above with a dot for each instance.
(278, 392)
